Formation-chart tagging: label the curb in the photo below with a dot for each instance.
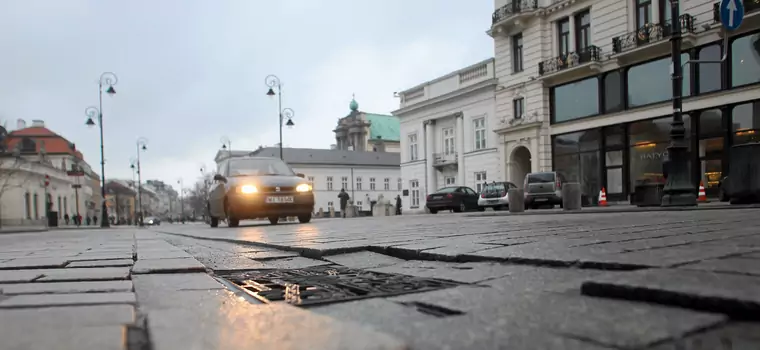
(595, 210)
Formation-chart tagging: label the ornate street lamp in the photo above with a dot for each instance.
(106, 79)
(272, 81)
(141, 147)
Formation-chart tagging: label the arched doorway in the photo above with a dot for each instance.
(521, 161)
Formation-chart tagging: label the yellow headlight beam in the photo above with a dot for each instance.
(303, 188)
(248, 189)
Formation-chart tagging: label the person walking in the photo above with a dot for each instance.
(343, 196)
(398, 205)
(66, 218)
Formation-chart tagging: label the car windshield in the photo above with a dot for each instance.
(448, 190)
(258, 167)
(540, 178)
(495, 187)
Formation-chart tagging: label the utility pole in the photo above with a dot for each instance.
(678, 190)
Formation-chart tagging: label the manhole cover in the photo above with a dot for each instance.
(329, 284)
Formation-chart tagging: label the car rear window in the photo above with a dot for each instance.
(540, 178)
(495, 187)
(448, 190)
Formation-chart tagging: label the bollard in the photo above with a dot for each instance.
(351, 211)
(571, 196)
(516, 197)
(332, 212)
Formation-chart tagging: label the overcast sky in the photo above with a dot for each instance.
(192, 71)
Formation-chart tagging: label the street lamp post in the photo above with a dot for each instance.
(678, 190)
(181, 200)
(142, 144)
(272, 81)
(109, 79)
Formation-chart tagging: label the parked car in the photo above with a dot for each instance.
(543, 189)
(723, 189)
(258, 187)
(152, 220)
(456, 198)
(495, 195)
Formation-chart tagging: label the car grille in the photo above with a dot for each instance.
(273, 189)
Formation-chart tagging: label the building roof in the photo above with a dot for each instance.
(53, 143)
(314, 156)
(385, 127)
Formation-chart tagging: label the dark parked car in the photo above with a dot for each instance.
(495, 195)
(543, 189)
(258, 187)
(456, 198)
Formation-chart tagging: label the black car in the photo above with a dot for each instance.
(258, 187)
(456, 198)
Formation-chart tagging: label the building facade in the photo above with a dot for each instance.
(367, 132)
(364, 175)
(446, 133)
(39, 166)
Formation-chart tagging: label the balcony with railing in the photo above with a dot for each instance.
(652, 38)
(510, 15)
(581, 61)
(445, 159)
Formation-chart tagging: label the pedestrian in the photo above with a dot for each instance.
(94, 219)
(66, 218)
(398, 205)
(343, 196)
(87, 220)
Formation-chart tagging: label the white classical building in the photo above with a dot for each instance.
(583, 87)
(35, 164)
(364, 175)
(446, 133)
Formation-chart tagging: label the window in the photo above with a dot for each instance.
(613, 92)
(649, 141)
(709, 73)
(449, 180)
(665, 14)
(643, 12)
(746, 123)
(65, 205)
(358, 183)
(329, 183)
(480, 179)
(399, 184)
(387, 184)
(582, 30)
(517, 53)
(413, 147)
(311, 180)
(479, 125)
(28, 205)
(745, 60)
(359, 203)
(563, 39)
(414, 193)
(576, 100)
(371, 183)
(449, 146)
(577, 160)
(651, 82)
(344, 182)
(330, 204)
(518, 108)
(36, 206)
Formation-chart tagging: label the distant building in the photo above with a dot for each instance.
(361, 174)
(361, 131)
(30, 154)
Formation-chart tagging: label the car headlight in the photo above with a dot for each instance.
(248, 189)
(303, 188)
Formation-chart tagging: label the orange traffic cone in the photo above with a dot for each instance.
(602, 198)
(701, 196)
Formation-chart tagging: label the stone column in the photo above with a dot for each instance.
(460, 150)
(535, 165)
(571, 47)
(429, 150)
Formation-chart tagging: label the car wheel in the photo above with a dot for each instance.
(214, 222)
(433, 211)
(304, 219)
(274, 220)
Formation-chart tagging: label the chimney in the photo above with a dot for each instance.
(37, 123)
(20, 124)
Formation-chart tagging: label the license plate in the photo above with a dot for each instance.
(541, 199)
(437, 197)
(280, 199)
(493, 201)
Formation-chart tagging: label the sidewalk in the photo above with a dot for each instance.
(644, 280)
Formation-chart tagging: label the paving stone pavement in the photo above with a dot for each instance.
(646, 280)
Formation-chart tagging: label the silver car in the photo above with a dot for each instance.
(543, 189)
(495, 195)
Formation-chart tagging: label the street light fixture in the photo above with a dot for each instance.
(181, 200)
(272, 81)
(141, 146)
(106, 79)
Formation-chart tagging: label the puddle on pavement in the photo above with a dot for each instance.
(322, 285)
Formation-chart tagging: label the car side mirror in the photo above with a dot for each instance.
(301, 175)
(221, 178)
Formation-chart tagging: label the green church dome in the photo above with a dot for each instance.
(353, 105)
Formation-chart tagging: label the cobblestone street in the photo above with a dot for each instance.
(637, 280)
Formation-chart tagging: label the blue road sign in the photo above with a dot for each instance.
(731, 13)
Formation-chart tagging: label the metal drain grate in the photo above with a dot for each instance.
(329, 284)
